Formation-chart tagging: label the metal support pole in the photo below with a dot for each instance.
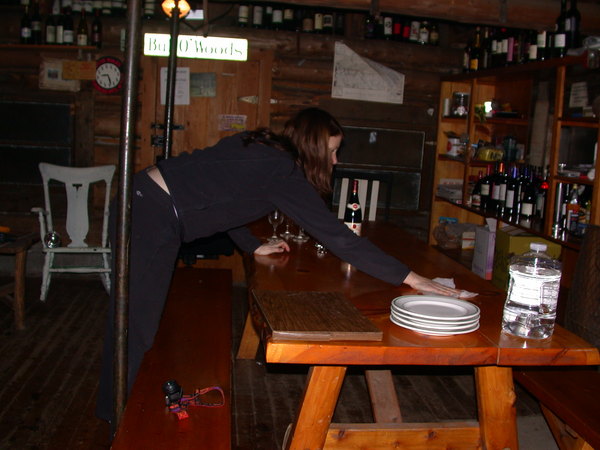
(121, 252)
(171, 79)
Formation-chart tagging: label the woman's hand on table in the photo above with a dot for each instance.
(426, 285)
(270, 248)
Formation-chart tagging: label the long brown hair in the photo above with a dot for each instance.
(309, 131)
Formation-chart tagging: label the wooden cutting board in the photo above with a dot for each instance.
(313, 316)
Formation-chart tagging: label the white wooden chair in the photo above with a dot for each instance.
(77, 181)
(368, 191)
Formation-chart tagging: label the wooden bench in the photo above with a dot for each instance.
(192, 346)
(570, 401)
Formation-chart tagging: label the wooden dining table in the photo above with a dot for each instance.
(491, 353)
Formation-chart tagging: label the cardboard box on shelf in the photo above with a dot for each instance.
(512, 241)
(483, 255)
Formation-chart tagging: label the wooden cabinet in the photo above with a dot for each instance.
(567, 147)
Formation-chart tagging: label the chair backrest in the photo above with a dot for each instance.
(582, 313)
(368, 190)
(77, 181)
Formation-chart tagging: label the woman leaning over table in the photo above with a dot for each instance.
(222, 188)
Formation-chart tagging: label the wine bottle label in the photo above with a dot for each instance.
(243, 14)
(355, 227)
(559, 40)
(68, 36)
(510, 198)
(82, 39)
(527, 209)
(485, 189)
(533, 52)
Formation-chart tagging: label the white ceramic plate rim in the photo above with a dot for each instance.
(432, 325)
(403, 314)
(434, 333)
(443, 305)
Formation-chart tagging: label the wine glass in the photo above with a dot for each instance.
(275, 219)
(287, 233)
(300, 237)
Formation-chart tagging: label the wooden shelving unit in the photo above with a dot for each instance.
(514, 86)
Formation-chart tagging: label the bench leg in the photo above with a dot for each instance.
(249, 342)
(19, 298)
(565, 437)
(496, 403)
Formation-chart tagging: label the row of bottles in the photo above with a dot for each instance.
(496, 47)
(58, 27)
(103, 7)
(287, 17)
(572, 210)
(513, 194)
(400, 28)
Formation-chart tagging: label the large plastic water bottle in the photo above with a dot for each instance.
(530, 307)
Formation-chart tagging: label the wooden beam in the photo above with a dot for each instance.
(528, 14)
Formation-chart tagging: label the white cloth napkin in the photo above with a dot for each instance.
(449, 282)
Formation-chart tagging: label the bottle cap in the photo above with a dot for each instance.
(538, 247)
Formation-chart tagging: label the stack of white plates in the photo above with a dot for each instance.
(436, 315)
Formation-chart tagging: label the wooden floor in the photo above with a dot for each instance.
(48, 379)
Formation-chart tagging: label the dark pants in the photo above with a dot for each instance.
(155, 241)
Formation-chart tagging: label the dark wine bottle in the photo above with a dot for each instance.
(26, 27)
(82, 30)
(572, 24)
(353, 214)
(36, 24)
(97, 30)
(68, 32)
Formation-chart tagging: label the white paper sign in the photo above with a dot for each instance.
(579, 95)
(358, 78)
(182, 86)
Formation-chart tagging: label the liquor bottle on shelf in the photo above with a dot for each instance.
(528, 203)
(573, 208)
(424, 33)
(288, 19)
(542, 195)
(388, 27)
(277, 19)
(68, 31)
(499, 190)
(475, 53)
(60, 29)
(467, 57)
(476, 194)
(268, 16)
(26, 27)
(370, 24)
(542, 39)
(308, 22)
(564, 225)
(258, 12)
(485, 188)
(434, 35)
(532, 53)
(353, 213)
(318, 22)
(513, 195)
(572, 24)
(415, 25)
(97, 30)
(243, 15)
(50, 31)
(36, 24)
(560, 37)
(82, 30)
(328, 23)
(485, 61)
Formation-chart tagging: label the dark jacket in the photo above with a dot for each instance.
(228, 185)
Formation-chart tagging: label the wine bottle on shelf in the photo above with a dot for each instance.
(513, 194)
(97, 30)
(318, 22)
(434, 35)
(328, 23)
(60, 29)
(82, 30)
(560, 37)
(542, 194)
(424, 33)
(572, 24)
(243, 15)
(36, 24)
(277, 19)
(476, 194)
(541, 45)
(50, 31)
(475, 53)
(268, 17)
(26, 27)
(499, 190)
(68, 31)
(388, 27)
(485, 188)
(370, 24)
(573, 208)
(258, 16)
(353, 213)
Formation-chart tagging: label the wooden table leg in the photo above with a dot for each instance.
(318, 404)
(497, 412)
(19, 295)
(249, 342)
